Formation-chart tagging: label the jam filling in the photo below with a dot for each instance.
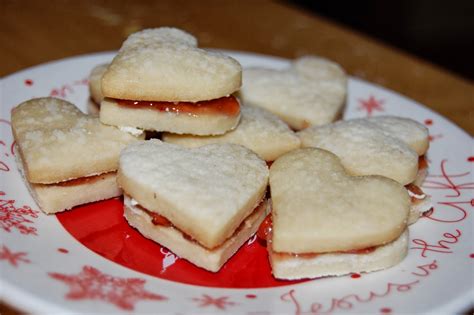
(264, 233)
(158, 219)
(417, 195)
(227, 105)
(422, 162)
(82, 180)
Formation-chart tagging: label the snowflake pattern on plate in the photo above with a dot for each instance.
(13, 258)
(221, 302)
(13, 218)
(91, 283)
(371, 105)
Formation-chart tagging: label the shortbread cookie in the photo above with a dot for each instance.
(57, 143)
(95, 88)
(292, 267)
(311, 192)
(259, 130)
(161, 81)
(157, 116)
(165, 64)
(390, 146)
(206, 193)
(311, 92)
(173, 238)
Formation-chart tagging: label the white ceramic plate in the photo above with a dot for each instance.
(44, 268)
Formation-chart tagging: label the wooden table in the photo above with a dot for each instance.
(34, 32)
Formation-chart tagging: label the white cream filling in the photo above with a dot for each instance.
(412, 194)
(132, 205)
(426, 205)
(131, 130)
(133, 202)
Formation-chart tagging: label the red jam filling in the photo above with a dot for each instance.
(422, 162)
(416, 190)
(81, 180)
(227, 105)
(264, 233)
(158, 219)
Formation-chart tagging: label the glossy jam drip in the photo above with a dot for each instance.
(227, 105)
(422, 162)
(158, 219)
(416, 194)
(414, 189)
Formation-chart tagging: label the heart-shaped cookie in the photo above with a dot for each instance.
(58, 142)
(205, 192)
(310, 92)
(164, 64)
(318, 207)
(384, 145)
(258, 129)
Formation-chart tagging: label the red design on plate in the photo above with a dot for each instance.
(8, 150)
(92, 284)
(371, 105)
(470, 159)
(3, 166)
(250, 296)
(28, 82)
(62, 91)
(355, 276)
(448, 216)
(432, 138)
(472, 255)
(13, 218)
(67, 89)
(63, 250)
(428, 122)
(13, 258)
(443, 246)
(424, 270)
(346, 302)
(102, 228)
(220, 302)
(445, 181)
(385, 310)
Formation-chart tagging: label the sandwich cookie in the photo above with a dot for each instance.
(161, 81)
(95, 89)
(201, 203)
(67, 158)
(311, 92)
(258, 129)
(328, 223)
(390, 146)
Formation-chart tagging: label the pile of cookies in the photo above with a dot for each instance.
(224, 160)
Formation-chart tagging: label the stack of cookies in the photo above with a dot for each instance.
(201, 184)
